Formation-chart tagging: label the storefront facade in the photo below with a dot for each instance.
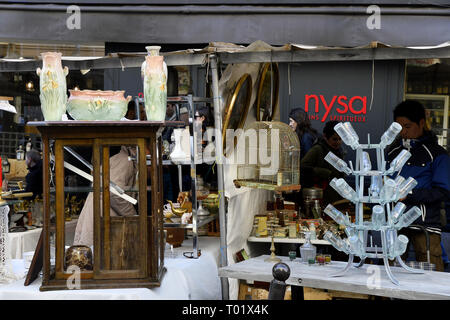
(193, 24)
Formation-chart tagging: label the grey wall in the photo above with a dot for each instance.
(349, 79)
(128, 80)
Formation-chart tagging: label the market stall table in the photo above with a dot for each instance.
(369, 279)
(186, 279)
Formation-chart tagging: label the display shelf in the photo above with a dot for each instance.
(265, 186)
(91, 189)
(185, 99)
(209, 160)
(168, 162)
(286, 240)
(201, 221)
(190, 101)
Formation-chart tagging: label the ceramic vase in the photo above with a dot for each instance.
(155, 85)
(53, 86)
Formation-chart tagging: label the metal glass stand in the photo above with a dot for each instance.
(197, 221)
(356, 242)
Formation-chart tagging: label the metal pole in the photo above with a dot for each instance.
(193, 177)
(220, 183)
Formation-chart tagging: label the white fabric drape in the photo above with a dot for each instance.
(6, 272)
(243, 203)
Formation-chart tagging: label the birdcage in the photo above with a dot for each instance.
(268, 157)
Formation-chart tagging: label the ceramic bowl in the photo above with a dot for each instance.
(97, 105)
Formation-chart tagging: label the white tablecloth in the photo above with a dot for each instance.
(20, 242)
(185, 279)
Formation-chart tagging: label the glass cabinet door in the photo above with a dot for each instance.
(121, 223)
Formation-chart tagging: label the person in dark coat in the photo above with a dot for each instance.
(33, 179)
(307, 135)
(320, 171)
(429, 165)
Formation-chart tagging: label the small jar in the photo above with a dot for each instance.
(321, 259)
(292, 255)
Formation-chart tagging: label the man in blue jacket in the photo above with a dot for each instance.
(429, 165)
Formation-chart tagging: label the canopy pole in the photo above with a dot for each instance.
(219, 163)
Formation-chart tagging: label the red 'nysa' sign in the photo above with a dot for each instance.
(356, 105)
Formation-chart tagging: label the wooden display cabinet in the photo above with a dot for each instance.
(128, 251)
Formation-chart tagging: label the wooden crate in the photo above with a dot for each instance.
(323, 294)
(258, 291)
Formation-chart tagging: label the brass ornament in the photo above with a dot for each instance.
(238, 106)
(268, 91)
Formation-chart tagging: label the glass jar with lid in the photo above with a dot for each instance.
(20, 153)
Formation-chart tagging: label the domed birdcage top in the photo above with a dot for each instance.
(270, 157)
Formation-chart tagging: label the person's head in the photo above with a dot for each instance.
(131, 112)
(170, 111)
(410, 115)
(32, 157)
(330, 135)
(299, 121)
(201, 114)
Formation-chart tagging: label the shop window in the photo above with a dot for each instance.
(428, 81)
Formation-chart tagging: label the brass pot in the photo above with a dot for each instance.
(80, 256)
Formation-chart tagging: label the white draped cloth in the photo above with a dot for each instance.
(243, 203)
(6, 273)
(185, 279)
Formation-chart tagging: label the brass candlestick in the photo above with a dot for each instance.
(273, 257)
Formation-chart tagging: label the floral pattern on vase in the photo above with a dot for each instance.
(53, 88)
(155, 85)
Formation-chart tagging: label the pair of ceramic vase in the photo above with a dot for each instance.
(97, 104)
